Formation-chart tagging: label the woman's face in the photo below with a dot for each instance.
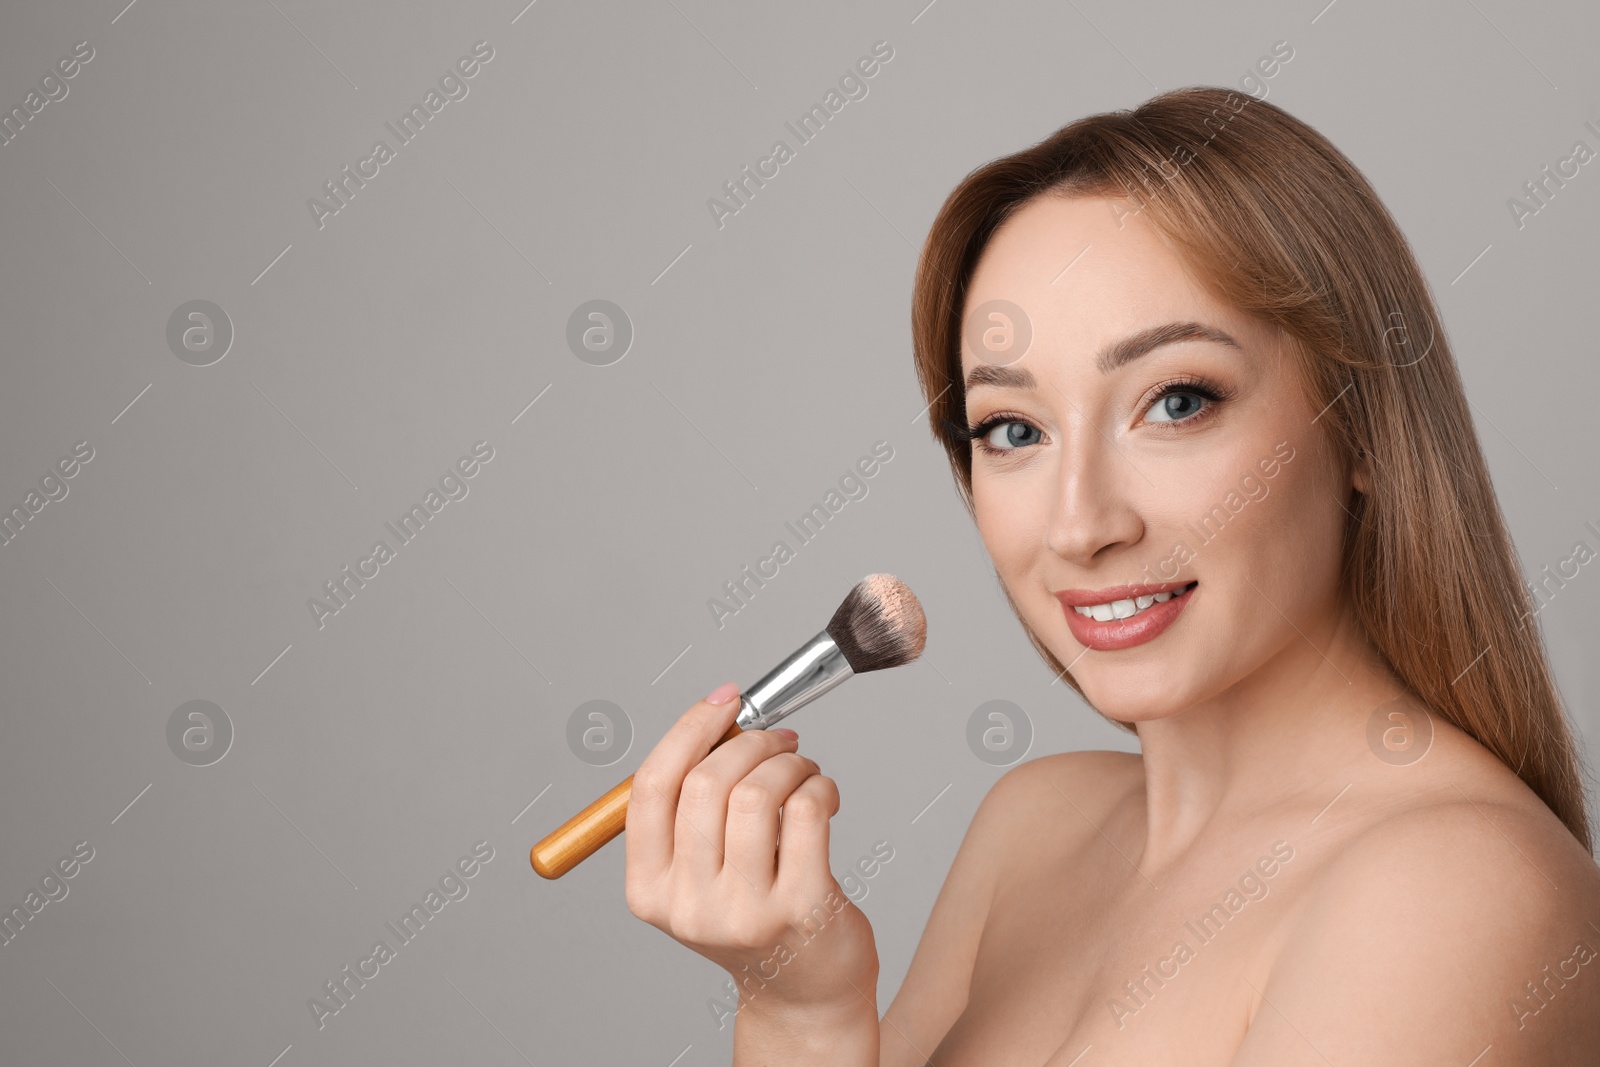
(1146, 437)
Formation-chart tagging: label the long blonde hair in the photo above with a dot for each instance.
(1278, 223)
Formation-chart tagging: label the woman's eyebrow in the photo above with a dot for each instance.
(1122, 352)
(1131, 348)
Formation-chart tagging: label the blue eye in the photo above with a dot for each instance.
(1183, 401)
(1175, 407)
(1002, 433)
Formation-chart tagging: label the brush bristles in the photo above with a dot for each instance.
(880, 624)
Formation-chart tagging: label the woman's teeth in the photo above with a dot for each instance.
(1124, 609)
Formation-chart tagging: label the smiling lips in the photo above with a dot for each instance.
(1124, 615)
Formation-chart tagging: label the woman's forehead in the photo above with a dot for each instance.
(1078, 275)
(1065, 259)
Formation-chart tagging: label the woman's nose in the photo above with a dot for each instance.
(1093, 509)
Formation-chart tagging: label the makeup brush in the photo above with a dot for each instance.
(879, 624)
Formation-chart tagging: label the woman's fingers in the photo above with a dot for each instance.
(803, 840)
(728, 851)
(653, 803)
(703, 802)
(751, 839)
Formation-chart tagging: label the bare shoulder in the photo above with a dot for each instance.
(1093, 780)
(1007, 827)
(1097, 784)
(1004, 831)
(1102, 766)
(1459, 918)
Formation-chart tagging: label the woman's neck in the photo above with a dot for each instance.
(1292, 730)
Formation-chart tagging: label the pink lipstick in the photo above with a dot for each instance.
(1124, 615)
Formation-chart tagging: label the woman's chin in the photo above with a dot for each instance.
(1116, 699)
(1137, 713)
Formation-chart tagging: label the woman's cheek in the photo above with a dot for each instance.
(1008, 522)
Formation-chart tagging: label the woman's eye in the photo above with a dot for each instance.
(1175, 407)
(1011, 434)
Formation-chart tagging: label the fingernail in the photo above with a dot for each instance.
(786, 732)
(723, 693)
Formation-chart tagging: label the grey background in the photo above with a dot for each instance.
(769, 355)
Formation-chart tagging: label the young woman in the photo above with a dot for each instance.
(1196, 395)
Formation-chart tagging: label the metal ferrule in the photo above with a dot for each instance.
(814, 668)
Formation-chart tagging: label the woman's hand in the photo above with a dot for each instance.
(705, 865)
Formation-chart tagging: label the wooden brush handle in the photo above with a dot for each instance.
(582, 835)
